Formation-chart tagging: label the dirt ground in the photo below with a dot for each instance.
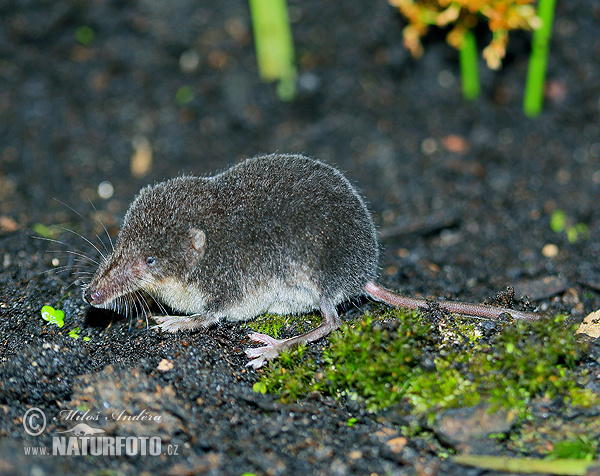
(462, 193)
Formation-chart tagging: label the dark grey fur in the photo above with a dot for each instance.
(260, 217)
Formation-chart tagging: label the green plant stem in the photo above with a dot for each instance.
(526, 465)
(274, 45)
(468, 66)
(540, 46)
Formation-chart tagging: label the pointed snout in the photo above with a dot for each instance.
(94, 297)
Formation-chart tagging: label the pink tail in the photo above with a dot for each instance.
(380, 293)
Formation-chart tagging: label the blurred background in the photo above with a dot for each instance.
(100, 97)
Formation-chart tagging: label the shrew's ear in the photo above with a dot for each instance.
(196, 246)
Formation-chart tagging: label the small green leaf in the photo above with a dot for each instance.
(50, 232)
(558, 220)
(185, 95)
(74, 333)
(53, 316)
(581, 447)
(86, 338)
(577, 232)
(572, 234)
(85, 35)
(259, 387)
(351, 421)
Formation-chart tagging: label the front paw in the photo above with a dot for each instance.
(260, 355)
(174, 323)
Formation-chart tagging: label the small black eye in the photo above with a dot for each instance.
(150, 260)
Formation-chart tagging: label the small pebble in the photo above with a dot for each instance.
(550, 250)
(105, 190)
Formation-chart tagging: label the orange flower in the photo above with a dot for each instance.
(501, 16)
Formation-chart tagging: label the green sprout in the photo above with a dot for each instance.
(74, 333)
(560, 223)
(53, 316)
(85, 35)
(49, 232)
(259, 387)
(274, 45)
(536, 73)
(185, 95)
(468, 66)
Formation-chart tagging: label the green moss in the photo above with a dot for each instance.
(545, 431)
(274, 325)
(582, 397)
(453, 390)
(269, 324)
(370, 359)
(579, 447)
(399, 358)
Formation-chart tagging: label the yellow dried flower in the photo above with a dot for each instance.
(501, 16)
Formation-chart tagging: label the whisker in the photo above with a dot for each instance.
(51, 240)
(160, 305)
(102, 223)
(43, 238)
(72, 284)
(135, 309)
(146, 308)
(65, 267)
(76, 253)
(83, 277)
(143, 308)
(137, 303)
(127, 313)
(81, 254)
(132, 310)
(87, 240)
(146, 314)
(77, 270)
(81, 262)
(85, 220)
(154, 298)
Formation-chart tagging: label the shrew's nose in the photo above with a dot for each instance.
(93, 297)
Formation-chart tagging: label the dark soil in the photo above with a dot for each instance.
(462, 192)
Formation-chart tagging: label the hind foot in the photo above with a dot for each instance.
(274, 347)
(260, 355)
